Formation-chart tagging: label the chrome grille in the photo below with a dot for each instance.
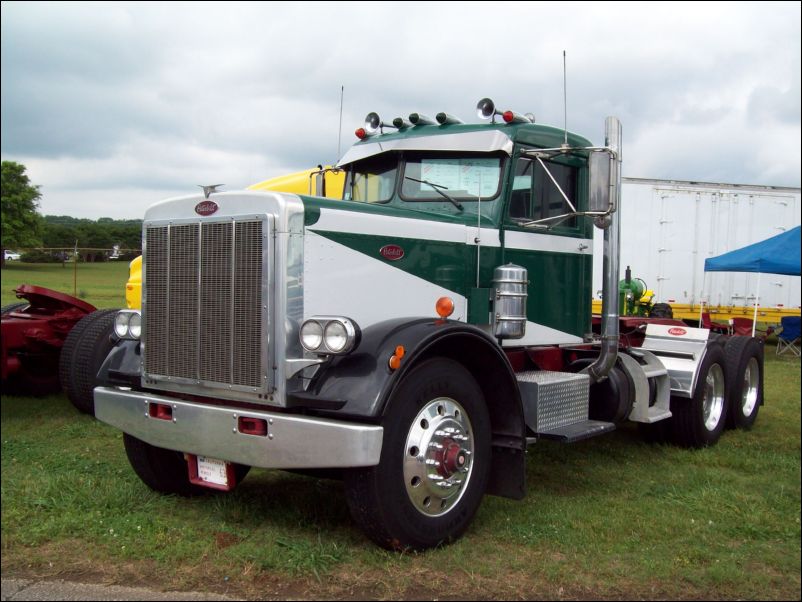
(203, 304)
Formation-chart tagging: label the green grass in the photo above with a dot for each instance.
(101, 284)
(611, 517)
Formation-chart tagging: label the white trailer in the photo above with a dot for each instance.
(670, 227)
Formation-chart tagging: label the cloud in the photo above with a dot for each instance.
(163, 96)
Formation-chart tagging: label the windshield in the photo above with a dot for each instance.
(372, 180)
(464, 178)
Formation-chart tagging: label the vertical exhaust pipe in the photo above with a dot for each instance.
(611, 224)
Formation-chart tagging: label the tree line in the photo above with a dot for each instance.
(47, 238)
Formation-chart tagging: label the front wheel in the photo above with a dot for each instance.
(434, 463)
(165, 470)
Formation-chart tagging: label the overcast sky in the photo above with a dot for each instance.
(114, 106)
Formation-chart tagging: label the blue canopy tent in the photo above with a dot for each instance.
(777, 255)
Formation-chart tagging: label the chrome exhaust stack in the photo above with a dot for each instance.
(611, 224)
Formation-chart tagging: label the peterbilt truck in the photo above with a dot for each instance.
(413, 337)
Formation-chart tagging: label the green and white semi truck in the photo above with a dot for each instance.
(413, 337)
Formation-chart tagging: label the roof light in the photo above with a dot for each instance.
(361, 133)
(513, 117)
(420, 119)
(445, 119)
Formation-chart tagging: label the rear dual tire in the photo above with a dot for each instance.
(744, 362)
(84, 351)
(699, 421)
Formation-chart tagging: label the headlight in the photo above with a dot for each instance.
(128, 324)
(330, 335)
(335, 336)
(121, 324)
(311, 335)
(135, 325)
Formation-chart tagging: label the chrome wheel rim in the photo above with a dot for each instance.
(750, 387)
(713, 400)
(438, 457)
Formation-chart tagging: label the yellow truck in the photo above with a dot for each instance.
(321, 181)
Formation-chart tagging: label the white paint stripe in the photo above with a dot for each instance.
(332, 220)
(341, 281)
(526, 241)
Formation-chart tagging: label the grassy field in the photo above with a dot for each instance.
(607, 518)
(101, 284)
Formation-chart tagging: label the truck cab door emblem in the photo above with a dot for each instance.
(391, 252)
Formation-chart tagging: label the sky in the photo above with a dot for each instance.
(113, 106)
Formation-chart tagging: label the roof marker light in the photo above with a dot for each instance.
(513, 117)
(420, 119)
(446, 119)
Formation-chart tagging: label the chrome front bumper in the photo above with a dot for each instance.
(208, 430)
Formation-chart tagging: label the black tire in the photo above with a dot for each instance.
(165, 470)
(395, 506)
(7, 309)
(744, 368)
(611, 399)
(661, 310)
(699, 421)
(84, 351)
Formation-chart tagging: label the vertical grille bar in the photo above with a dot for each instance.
(183, 301)
(216, 298)
(247, 314)
(157, 299)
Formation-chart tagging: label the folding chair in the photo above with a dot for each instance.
(716, 327)
(788, 338)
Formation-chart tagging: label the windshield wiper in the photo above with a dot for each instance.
(437, 188)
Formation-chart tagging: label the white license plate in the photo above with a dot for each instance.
(211, 470)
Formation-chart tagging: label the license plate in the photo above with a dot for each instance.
(211, 472)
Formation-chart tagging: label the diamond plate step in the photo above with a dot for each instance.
(578, 431)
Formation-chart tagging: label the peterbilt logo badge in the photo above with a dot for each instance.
(206, 208)
(677, 332)
(391, 252)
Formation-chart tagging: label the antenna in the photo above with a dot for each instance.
(340, 133)
(565, 105)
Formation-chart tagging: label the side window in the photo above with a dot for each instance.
(372, 180)
(535, 196)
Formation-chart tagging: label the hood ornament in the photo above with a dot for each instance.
(207, 190)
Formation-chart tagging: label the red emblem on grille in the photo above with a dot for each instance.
(677, 332)
(206, 208)
(391, 252)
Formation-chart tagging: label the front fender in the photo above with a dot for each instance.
(361, 382)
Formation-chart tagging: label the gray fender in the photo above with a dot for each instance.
(361, 384)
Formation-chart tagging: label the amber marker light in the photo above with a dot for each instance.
(395, 359)
(444, 307)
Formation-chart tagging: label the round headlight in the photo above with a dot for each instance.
(121, 324)
(135, 325)
(336, 336)
(311, 335)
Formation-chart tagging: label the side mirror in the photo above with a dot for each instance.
(601, 197)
